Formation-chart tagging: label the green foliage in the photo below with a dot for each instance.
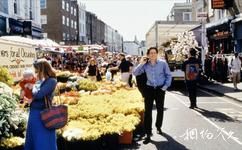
(10, 119)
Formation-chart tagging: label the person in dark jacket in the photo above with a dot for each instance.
(91, 70)
(191, 67)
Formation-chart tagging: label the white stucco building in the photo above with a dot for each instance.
(131, 48)
(82, 23)
(20, 15)
(113, 39)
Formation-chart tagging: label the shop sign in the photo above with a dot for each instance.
(221, 4)
(222, 35)
(16, 58)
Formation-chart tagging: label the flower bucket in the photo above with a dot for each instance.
(126, 137)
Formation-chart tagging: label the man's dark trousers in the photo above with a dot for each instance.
(158, 95)
(192, 91)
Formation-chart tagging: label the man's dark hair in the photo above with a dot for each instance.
(148, 51)
(193, 52)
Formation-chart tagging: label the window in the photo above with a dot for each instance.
(67, 22)
(63, 20)
(71, 10)
(15, 7)
(187, 16)
(67, 6)
(67, 36)
(71, 23)
(74, 11)
(64, 36)
(43, 19)
(75, 25)
(42, 4)
(63, 4)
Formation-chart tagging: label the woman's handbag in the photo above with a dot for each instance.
(54, 117)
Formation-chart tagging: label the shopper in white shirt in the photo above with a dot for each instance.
(235, 65)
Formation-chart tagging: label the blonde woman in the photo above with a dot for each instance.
(91, 70)
(37, 136)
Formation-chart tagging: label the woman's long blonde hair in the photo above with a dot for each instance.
(44, 69)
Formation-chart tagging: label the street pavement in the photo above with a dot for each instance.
(225, 89)
(215, 125)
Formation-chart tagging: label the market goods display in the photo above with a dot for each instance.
(11, 142)
(87, 85)
(11, 120)
(98, 115)
(5, 89)
(62, 76)
(5, 77)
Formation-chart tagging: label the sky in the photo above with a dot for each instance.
(130, 17)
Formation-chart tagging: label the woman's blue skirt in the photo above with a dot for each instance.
(37, 136)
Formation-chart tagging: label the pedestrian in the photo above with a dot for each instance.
(125, 67)
(91, 70)
(235, 66)
(191, 67)
(38, 137)
(158, 80)
(208, 67)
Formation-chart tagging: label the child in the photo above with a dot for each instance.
(26, 85)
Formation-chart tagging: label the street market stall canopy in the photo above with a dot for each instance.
(34, 42)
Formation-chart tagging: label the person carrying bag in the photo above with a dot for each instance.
(38, 137)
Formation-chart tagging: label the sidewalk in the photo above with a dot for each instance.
(225, 89)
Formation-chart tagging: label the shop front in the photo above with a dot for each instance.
(2, 25)
(16, 27)
(236, 25)
(220, 37)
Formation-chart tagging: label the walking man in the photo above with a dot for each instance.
(158, 80)
(191, 68)
(235, 70)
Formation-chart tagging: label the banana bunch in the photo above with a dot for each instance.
(11, 142)
(5, 76)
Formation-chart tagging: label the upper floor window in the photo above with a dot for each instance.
(43, 19)
(64, 36)
(63, 20)
(67, 6)
(74, 11)
(71, 23)
(15, 7)
(187, 16)
(42, 4)
(71, 10)
(67, 21)
(63, 4)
